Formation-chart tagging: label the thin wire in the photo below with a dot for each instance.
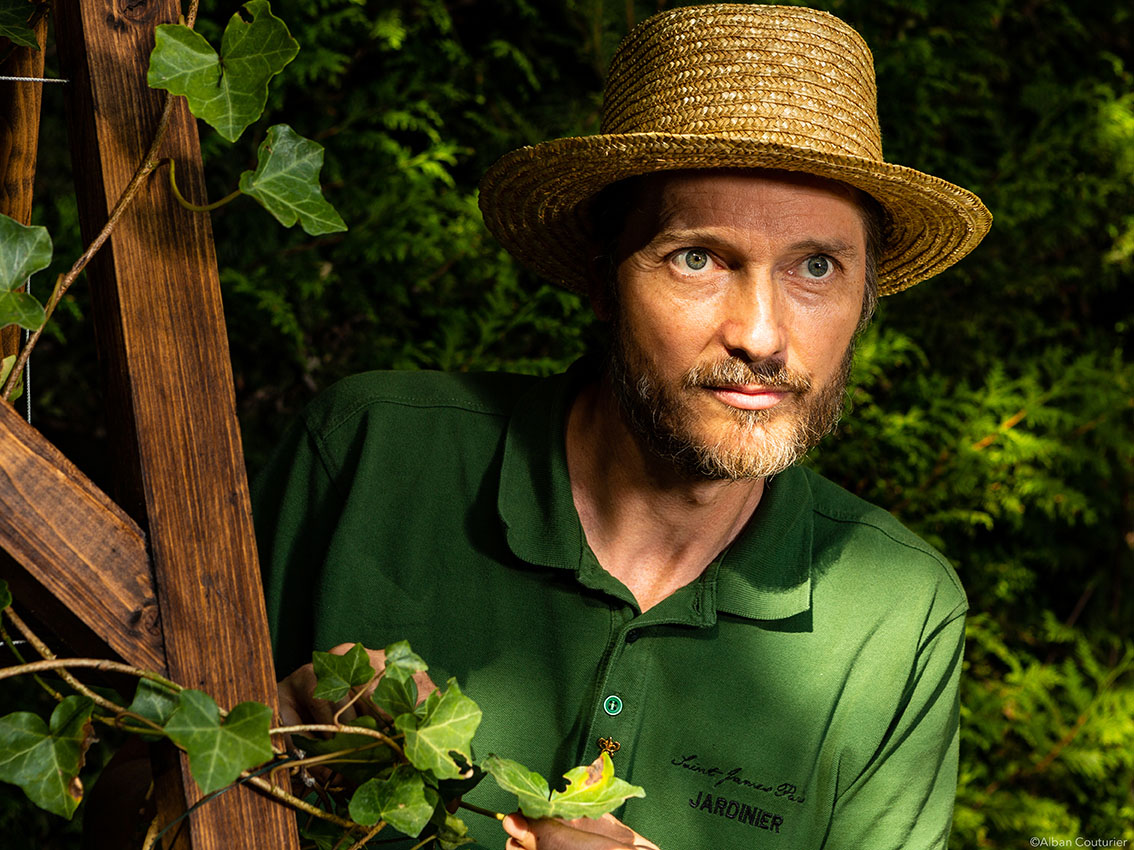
(26, 335)
(32, 80)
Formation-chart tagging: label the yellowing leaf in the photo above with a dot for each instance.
(592, 790)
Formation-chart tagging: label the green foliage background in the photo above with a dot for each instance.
(993, 408)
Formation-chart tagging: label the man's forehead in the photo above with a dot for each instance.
(738, 197)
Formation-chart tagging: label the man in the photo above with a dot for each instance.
(624, 557)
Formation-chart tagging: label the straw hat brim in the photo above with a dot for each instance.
(535, 199)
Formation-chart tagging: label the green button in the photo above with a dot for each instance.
(612, 705)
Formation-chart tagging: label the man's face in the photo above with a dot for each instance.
(738, 295)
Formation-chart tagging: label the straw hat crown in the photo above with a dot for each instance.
(730, 86)
(793, 76)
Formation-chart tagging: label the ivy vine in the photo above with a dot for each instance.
(404, 760)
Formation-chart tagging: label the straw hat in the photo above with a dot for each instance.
(729, 86)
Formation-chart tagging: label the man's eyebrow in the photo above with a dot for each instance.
(686, 235)
(834, 247)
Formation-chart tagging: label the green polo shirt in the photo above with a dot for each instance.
(802, 693)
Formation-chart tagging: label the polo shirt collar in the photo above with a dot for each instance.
(764, 575)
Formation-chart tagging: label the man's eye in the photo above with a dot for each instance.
(818, 267)
(692, 259)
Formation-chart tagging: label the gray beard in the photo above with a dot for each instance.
(661, 415)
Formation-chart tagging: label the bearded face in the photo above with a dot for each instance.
(671, 417)
(736, 298)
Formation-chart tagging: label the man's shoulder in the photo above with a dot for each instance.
(845, 521)
(385, 393)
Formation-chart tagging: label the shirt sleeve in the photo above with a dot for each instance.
(903, 799)
(295, 503)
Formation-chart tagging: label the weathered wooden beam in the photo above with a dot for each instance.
(19, 141)
(76, 544)
(161, 333)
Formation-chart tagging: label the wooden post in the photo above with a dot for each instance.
(19, 143)
(161, 334)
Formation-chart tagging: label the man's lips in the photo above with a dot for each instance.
(749, 397)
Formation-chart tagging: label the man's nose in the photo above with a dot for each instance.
(754, 323)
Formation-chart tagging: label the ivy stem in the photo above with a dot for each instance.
(296, 803)
(337, 757)
(152, 833)
(378, 827)
(90, 663)
(189, 205)
(488, 813)
(355, 697)
(49, 656)
(55, 695)
(423, 842)
(64, 281)
(335, 728)
(149, 162)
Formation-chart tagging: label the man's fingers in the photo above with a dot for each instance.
(607, 833)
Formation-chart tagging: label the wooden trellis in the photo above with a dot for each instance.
(165, 574)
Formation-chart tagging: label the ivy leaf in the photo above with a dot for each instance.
(6, 366)
(45, 760)
(5, 595)
(396, 692)
(337, 674)
(402, 662)
(23, 252)
(452, 832)
(529, 787)
(219, 751)
(229, 90)
(401, 799)
(286, 182)
(14, 16)
(155, 702)
(444, 725)
(592, 790)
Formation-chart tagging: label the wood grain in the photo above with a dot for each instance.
(19, 142)
(76, 543)
(161, 334)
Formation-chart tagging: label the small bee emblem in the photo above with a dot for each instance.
(609, 745)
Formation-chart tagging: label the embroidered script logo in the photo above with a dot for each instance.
(735, 777)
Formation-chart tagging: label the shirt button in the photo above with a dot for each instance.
(612, 705)
(632, 635)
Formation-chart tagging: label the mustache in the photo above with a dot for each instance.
(733, 371)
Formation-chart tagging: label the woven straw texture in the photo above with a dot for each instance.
(730, 86)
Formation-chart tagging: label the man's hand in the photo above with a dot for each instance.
(297, 705)
(605, 833)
